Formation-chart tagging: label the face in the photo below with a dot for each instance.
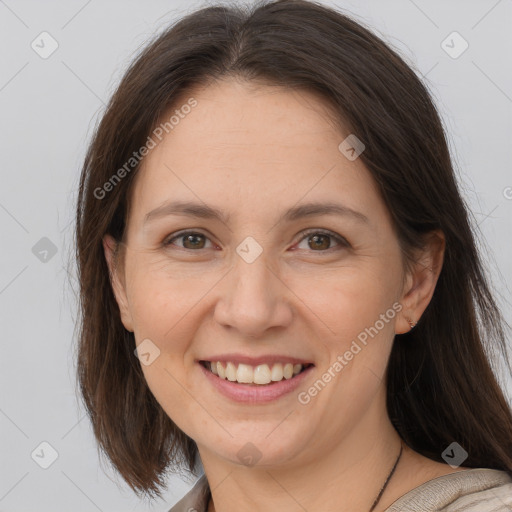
(259, 284)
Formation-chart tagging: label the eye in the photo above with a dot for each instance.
(191, 240)
(320, 239)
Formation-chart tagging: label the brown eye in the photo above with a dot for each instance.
(317, 240)
(190, 240)
(320, 241)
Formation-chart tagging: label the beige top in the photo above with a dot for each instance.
(473, 490)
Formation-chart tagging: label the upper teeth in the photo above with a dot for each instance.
(261, 374)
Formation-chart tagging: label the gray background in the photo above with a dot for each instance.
(48, 110)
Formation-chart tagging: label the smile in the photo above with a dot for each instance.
(291, 375)
(262, 374)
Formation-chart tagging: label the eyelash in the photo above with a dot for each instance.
(304, 234)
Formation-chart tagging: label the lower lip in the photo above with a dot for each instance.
(257, 393)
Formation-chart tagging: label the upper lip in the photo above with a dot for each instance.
(255, 361)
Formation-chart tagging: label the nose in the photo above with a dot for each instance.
(253, 299)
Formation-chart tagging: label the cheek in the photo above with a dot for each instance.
(162, 309)
(347, 301)
(165, 304)
(352, 312)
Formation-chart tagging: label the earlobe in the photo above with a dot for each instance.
(110, 247)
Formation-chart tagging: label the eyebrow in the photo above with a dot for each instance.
(204, 211)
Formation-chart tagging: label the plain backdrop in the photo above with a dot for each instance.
(49, 107)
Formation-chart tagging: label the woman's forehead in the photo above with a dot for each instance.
(254, 153)
(237, 139)
(238, 113)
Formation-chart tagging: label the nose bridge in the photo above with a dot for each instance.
(252, 278)
(252, 296)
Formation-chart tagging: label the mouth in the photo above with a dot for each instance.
(256, 376)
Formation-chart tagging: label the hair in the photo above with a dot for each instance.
(441, 382)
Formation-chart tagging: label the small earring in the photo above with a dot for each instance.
(411, 323)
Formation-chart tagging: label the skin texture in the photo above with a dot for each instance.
(254, 151)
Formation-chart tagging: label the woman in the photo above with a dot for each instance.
(279, 282)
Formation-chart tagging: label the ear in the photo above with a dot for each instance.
(117, 281)
(421, 280)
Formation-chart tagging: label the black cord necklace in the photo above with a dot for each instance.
(377, 499)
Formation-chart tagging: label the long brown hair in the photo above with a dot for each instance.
(440, 384)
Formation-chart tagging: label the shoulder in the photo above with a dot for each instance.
(196, 500)
(472, 490)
